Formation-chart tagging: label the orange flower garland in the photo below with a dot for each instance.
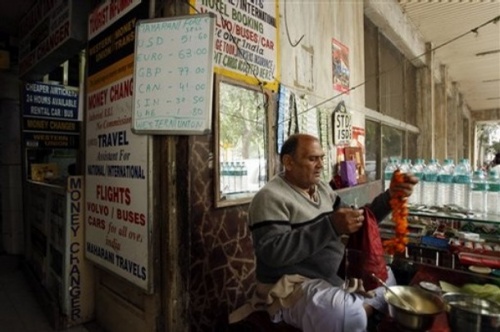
(399, 213)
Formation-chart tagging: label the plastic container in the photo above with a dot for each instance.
(405, 166)
(388, 171)
(493, 196)
(462, 177)
(429, 182)
(445, 183)
(418, 171)
(478, 193)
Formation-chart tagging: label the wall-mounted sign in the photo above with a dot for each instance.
(246, 39)
(51, 32)
(342, 125)
(53, 101)
(117, 170)
(50, 116)
(173, 75)
(51, 141)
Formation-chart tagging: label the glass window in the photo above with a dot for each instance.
(392, 144)
(412, 146)
(372, 167)
(241, 142)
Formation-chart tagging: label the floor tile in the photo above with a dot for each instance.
(19, 309)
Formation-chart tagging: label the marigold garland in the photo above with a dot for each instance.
(399, 217)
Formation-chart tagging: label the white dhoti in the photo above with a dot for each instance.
(325, 308)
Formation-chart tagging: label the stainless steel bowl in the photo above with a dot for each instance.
(426, 304)
(472, 314)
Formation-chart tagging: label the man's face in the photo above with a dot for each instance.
(303, 169)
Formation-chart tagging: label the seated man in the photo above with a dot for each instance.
(297, 228)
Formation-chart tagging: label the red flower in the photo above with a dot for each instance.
(399, 213)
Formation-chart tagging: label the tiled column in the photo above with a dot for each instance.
(11, 209)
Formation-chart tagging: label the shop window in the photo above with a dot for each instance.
(412, 146)
(391, 80)
(391, 93)
(241, 138)
(392, 143)
(372, 164)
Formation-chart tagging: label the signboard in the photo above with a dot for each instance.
(246, 39)
(51, 141)
(342, 125)
(51, 31)
(45, 125)
(173, 75)
(117, 172)
(50, 114)
(78, 299)
(53, 101)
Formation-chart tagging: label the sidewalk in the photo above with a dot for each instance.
(19, 309)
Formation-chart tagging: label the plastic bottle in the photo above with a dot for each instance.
(388, 171)
(418, 171)
(461, 184)
(429, 182)
(478, 190)
(244, 176)
(493, 196)
(445, 183)
(238, 176)
(231, 172)
(405, 166)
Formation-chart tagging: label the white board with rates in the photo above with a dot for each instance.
(173, 75)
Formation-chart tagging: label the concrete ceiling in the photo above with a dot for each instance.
(472, 59)
(439, 22)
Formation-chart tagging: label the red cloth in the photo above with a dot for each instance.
(365, 254)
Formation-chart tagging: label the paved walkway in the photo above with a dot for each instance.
(19, 309)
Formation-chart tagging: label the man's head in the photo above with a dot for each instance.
(302, 158)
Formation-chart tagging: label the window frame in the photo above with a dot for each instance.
(268, 151)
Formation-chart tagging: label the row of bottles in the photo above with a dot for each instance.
(446, 184)
(233, 177)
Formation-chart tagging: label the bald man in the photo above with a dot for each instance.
(297, 222)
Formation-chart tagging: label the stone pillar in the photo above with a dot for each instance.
(440, 100)
(425, 110)
(454, 123)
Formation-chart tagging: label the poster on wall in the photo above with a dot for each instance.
(340, 67)
(117, 181)
(246, 39)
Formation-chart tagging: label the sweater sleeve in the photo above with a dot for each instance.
(380, 206)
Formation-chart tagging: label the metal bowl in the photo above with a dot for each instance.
(472, 314)
(426, 304)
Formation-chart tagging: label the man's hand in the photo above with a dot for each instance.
(355, 285)
(405, 188)
(347, 220)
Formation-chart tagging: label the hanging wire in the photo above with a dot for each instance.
(287, 32)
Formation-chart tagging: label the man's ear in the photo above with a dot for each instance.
(287, 161)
